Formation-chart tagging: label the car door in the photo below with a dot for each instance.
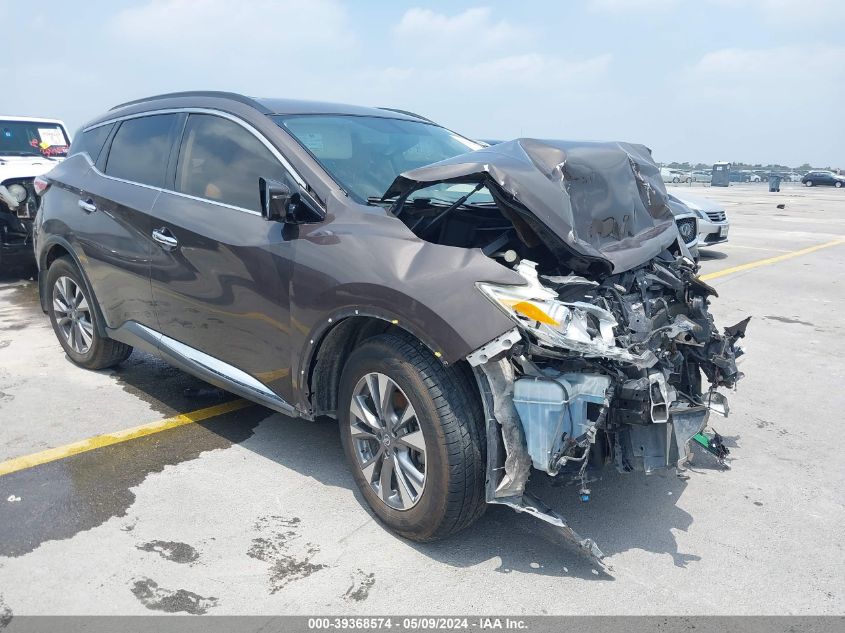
(220, 272)
(113, 228)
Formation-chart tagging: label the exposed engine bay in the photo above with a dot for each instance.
(18, 205)
(615, 358)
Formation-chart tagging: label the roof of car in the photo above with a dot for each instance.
(271, 106)
(38, 119)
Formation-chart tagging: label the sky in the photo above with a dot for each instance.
(759, 81)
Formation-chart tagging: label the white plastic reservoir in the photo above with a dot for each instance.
(554, 407)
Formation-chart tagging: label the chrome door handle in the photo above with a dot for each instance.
(165, 238)
(87, 205)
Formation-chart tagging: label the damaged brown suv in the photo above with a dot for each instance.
(466, 313)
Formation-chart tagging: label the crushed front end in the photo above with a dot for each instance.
(622, 372)
(614, 358)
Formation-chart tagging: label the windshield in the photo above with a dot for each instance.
(365, 154)
(32, 138)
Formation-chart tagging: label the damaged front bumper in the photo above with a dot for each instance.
(614, 375)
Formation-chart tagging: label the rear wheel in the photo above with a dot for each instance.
(75, 321)
(411, 431)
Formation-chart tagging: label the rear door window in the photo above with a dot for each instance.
(141, 148)
(220, 160)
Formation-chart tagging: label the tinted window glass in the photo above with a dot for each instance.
(90, 142)
(32, 138)
(140, 149)
(220, 160)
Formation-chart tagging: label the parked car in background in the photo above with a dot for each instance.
(821, 177)
(687, 222)
(701, 176)
(674, 175)
(713, 224)
(467, 314)
(29, 147)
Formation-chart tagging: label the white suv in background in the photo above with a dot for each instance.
(29, 147)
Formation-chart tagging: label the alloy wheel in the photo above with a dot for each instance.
(388, 441)
(73, 315)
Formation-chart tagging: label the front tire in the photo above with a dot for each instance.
(76, 321)
(809, 183)
(412, 433)
(837, 184)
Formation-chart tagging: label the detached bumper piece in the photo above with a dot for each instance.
(713, 445)
(508, 461)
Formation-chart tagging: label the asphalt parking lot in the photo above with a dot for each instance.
(236, 509)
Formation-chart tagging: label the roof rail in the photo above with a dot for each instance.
(199, 93)
(407, 112)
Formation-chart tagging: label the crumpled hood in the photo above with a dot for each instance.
(602, 200)
(24, 166)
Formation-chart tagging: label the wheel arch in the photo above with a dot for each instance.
(327, 357)
(55, 249)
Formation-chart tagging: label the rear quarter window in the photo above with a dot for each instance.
(141, 148)
(91, 141)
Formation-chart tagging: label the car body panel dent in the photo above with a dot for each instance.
(429, 289)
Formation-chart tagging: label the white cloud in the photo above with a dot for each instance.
(480, 74)
(788, 12)
(784, 69)
(475, 21)
(509, 72)
(773, 102)
(619, 6)
(222, 29)
(474, 31)
(495, 97)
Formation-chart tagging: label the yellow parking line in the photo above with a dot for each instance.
(755, 248)
(771, 260)
(99, 441)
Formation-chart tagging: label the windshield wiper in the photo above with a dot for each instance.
(378, 200)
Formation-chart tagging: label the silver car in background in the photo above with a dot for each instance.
(687, 222)
(713, 224)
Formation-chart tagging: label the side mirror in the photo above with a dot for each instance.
(280, 203)
(275, 197)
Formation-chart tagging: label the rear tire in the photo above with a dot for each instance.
(75, 319)
(447, 423)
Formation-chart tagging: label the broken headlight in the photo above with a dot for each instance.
(577, 326)
(18, 192)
